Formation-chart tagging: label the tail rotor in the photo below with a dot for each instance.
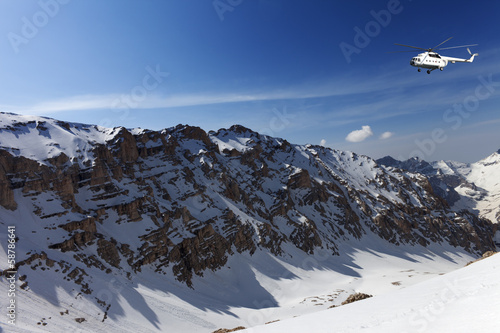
(471, 59)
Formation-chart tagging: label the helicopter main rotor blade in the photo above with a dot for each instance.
(441, 44)
(413, 47)
(456, 47)
(401, 51)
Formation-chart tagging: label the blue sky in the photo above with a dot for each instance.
(275, 66)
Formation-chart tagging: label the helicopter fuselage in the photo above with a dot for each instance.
(429, 60)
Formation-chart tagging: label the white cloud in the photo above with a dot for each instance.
(359, 135)
(386, 135)
(322, 142)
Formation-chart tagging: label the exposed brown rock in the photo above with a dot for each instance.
(195, 133)
(126, 146)
(156, 247)
(271, 239)
(484, 256)
(87, 224)
(107, 250)
(131, 209)
(355, 297)
(241, 235)
(207, 250)
(300, 179)
(306, 238)
(77, 240)
(228, 330)
(6, 194)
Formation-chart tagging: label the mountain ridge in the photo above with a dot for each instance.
(91, 203)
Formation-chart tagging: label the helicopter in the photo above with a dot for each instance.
(431, 60)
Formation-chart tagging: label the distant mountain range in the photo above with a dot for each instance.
(471, 186)
(93, 205)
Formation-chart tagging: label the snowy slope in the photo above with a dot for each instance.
(182, 230)
(251, 291)
(466, 300)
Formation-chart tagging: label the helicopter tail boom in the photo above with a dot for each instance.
(454, 60)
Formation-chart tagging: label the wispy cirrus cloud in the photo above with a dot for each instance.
(334, 87)
(73, 103)
(156, 101)
(385, 91)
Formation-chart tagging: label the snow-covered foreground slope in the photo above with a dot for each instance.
(465, 300)
(250, 291)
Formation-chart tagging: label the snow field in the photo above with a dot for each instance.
(465, 300)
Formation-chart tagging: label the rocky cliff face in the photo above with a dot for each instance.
(182, 201)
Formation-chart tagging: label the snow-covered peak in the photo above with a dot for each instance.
(41, 138)
(237, 137)
(486, 173)
(491, 160)
(451, 167)
(231, 140)
(464, 169)
(414, 164)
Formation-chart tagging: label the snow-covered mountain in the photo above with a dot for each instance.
(471, 186)
(484, 196)
(183, 230)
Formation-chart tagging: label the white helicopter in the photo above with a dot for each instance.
(431, 60)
